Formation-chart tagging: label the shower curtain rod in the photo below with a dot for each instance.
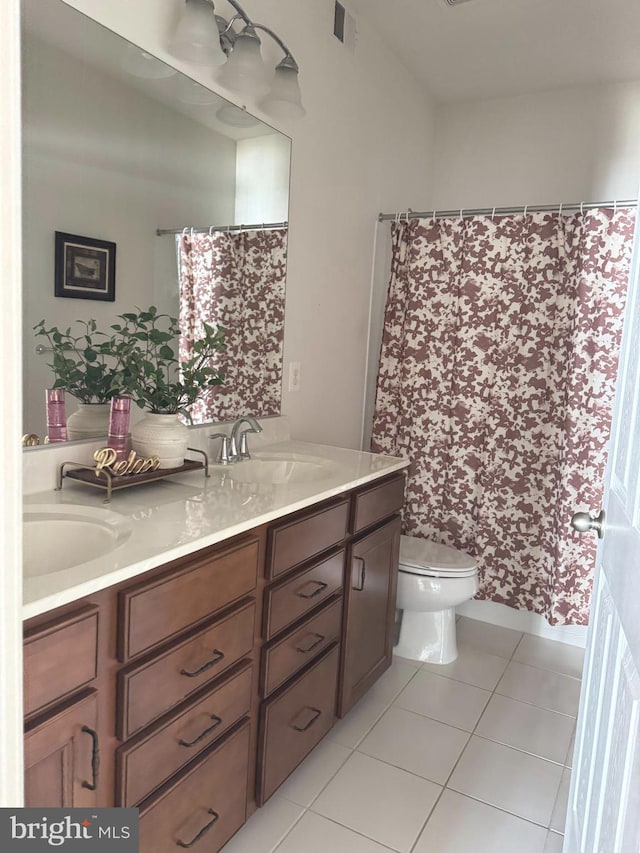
(503, 211)
(261, 226)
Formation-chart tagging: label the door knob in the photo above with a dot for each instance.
(583, 523)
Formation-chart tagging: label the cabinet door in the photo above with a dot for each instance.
(61, 756)
(370, 600)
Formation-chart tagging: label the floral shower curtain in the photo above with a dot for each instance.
(236, 280)
(496, 378)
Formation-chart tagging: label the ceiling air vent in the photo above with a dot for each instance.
(454, 2)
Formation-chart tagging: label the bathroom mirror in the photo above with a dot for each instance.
(116, 146)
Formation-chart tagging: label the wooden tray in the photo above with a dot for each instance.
(106, 481)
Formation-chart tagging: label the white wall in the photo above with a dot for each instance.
(102, 160)
(363, 147)
(562, 146)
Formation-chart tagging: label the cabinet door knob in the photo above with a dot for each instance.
(202, 832)
(95, 759)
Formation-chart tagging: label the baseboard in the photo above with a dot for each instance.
(523, 620)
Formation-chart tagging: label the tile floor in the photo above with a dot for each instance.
(473, 757)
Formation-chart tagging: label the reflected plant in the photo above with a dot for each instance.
(91, 366)
(157, 379)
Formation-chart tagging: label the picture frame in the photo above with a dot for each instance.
(85, 267)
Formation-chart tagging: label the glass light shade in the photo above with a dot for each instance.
(244, 71)
(139, 63)
(197, 38)
(284, 100)
(236, 117)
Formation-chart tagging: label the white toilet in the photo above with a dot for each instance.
(433, 580)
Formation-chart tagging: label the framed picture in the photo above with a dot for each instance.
(85, 267)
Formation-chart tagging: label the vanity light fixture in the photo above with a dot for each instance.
(206, 38)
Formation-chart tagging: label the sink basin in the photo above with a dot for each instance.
(279, 468)
(59, 537)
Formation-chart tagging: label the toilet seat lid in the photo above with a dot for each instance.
(424, 557)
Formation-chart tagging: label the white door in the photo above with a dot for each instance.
(604, 801)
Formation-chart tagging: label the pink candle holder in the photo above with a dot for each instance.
(56, 415)
(119, 437)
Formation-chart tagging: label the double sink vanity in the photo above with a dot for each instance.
(188, 645)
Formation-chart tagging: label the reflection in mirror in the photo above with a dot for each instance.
(119, 147)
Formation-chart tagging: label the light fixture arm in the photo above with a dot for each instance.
(288, 60)
(241, 12)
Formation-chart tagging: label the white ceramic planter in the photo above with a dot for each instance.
(91, 420)
(164, 436)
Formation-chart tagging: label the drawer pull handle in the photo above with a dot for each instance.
(363, 573)
(217, 657)
(202, 832)
(305, 651)
(95, 759)
(320, 587)
(217, 721)
(316, 712)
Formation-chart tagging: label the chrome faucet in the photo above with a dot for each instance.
(234, 447)
(238, 452)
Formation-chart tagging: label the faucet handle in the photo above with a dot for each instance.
(223, 455)
(243, 452)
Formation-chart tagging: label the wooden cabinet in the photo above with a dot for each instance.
(202, 807)
(294, 720)
(193, 691)
(155, 610)
(370, 595)
(303, 591)
(149, 688)
(62, 755)
(149, 759)
(285, 656)
(60, 656)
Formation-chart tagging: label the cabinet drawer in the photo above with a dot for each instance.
(294, 720)
(147, 760)
(293, 543)
(286, 656)
(149, 688)
(59, 657)
(290, 600)
(378, 502)
(203, 807)
(153, 611)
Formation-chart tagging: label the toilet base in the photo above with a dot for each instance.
(428, 637)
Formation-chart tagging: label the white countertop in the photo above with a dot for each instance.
(173, 518)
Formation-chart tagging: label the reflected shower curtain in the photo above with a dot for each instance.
(236, 280)
(496, 379)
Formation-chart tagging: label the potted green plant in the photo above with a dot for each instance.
(92, 366)
(160, 383)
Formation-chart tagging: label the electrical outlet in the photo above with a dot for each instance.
(294, 376)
